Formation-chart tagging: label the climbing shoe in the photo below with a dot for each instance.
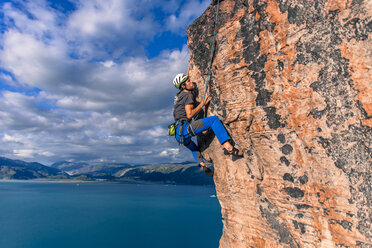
(208, 171)
(236, 154)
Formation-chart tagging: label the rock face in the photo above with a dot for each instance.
(292, 82)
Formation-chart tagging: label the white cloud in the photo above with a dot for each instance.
(93, 16)
(6, 78)
(33, 62)
(24, 153)
(109, 26)
(90, 102)
(8, 138)
(169, 152)
(37, 21)
(189, 12)
(47, 154)
(108, 63)
(157, 132)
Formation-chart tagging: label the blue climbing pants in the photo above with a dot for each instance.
(185, 131)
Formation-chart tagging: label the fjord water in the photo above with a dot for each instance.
(44, 214)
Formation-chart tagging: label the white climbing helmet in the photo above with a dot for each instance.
(179, 79)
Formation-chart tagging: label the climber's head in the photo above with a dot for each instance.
(188, 85)
(183, 82)
(180, 80)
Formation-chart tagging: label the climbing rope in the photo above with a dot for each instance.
(210, 62)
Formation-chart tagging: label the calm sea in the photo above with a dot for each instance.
(41, 214)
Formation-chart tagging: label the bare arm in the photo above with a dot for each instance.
(191, 111)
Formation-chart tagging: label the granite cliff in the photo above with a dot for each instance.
(292, 82)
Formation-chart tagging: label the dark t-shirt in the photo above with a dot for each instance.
(180, 101)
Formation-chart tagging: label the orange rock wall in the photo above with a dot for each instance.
(292, 82)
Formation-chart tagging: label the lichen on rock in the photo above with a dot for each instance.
(292, 82)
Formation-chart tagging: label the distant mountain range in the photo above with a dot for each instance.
(17, 169)
(182, 173)
(72, 168)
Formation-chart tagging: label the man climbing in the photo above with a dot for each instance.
(185, 109)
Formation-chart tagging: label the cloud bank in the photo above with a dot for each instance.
(76, 84)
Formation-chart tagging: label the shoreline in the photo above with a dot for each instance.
(72, 181)
(50, 181)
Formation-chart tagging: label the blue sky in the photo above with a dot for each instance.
(90, 80)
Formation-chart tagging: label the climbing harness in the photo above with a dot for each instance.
(172, 128)
(180, 134)
(210, 62)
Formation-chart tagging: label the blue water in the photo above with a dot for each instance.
(40, 214)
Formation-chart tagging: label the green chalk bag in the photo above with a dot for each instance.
(172, 129)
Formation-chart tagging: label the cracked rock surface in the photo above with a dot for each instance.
(292, 82)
